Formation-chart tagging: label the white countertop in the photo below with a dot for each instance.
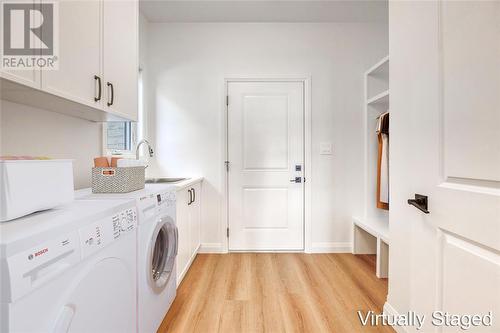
(178, 185)
(86, 192)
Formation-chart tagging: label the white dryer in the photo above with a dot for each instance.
(70, 269)
(157, 244)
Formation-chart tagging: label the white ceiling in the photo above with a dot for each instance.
(265, 11)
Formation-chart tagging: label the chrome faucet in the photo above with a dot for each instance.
(150, 149)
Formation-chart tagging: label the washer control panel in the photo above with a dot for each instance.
(95, 236)
(32, 267)
(166, 199)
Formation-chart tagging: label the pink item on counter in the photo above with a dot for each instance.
(101, 162)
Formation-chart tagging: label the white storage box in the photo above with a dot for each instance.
(29, 186)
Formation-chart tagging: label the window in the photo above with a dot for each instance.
(121, 137)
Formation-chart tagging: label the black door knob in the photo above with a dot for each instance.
(421, 202)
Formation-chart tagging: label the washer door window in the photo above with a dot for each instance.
(163, 250)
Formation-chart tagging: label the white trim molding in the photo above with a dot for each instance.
(390, 311)
(211, 248)
(331, 247)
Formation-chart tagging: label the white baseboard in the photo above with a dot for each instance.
(211, 248)
(390, 311)
(331, 247)
(318, 247)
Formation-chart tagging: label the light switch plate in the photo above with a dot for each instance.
(325, 148)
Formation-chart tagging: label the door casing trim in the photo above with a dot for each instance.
(306, 81)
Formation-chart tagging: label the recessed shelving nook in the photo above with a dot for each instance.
(371, 231)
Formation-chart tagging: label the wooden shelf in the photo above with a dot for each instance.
(379, 99)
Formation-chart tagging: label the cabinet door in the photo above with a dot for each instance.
(79, 53)
(30, 78)
(184, 250)
(121, 52)
(194, 219)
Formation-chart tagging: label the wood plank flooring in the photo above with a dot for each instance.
(271, 292)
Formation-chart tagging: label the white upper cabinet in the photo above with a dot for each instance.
(79, 54)
(97, 75)
(121, 64)
(30, 78)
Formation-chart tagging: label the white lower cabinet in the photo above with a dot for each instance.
(194, 215)
(189, 227)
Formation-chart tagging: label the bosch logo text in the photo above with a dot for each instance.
(38, 253)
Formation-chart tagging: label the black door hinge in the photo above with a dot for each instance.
(227, 100)
(227, 232)
(227, 165)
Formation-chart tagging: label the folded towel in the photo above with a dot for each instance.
(128, 162)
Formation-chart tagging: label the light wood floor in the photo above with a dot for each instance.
(270, 292)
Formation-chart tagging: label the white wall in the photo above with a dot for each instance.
(187, 64)
(35, 132)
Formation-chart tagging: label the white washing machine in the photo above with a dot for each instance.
(70, 269)
(157, 240)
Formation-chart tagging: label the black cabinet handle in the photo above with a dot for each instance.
(194, 194)
(190, 197)
(420, 202)
(99, 93)
(112, 94)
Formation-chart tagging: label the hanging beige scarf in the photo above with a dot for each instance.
(383, 161)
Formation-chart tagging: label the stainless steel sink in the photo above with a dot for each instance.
(164, 180)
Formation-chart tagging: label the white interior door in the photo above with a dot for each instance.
(266, 151)
(445, 110)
